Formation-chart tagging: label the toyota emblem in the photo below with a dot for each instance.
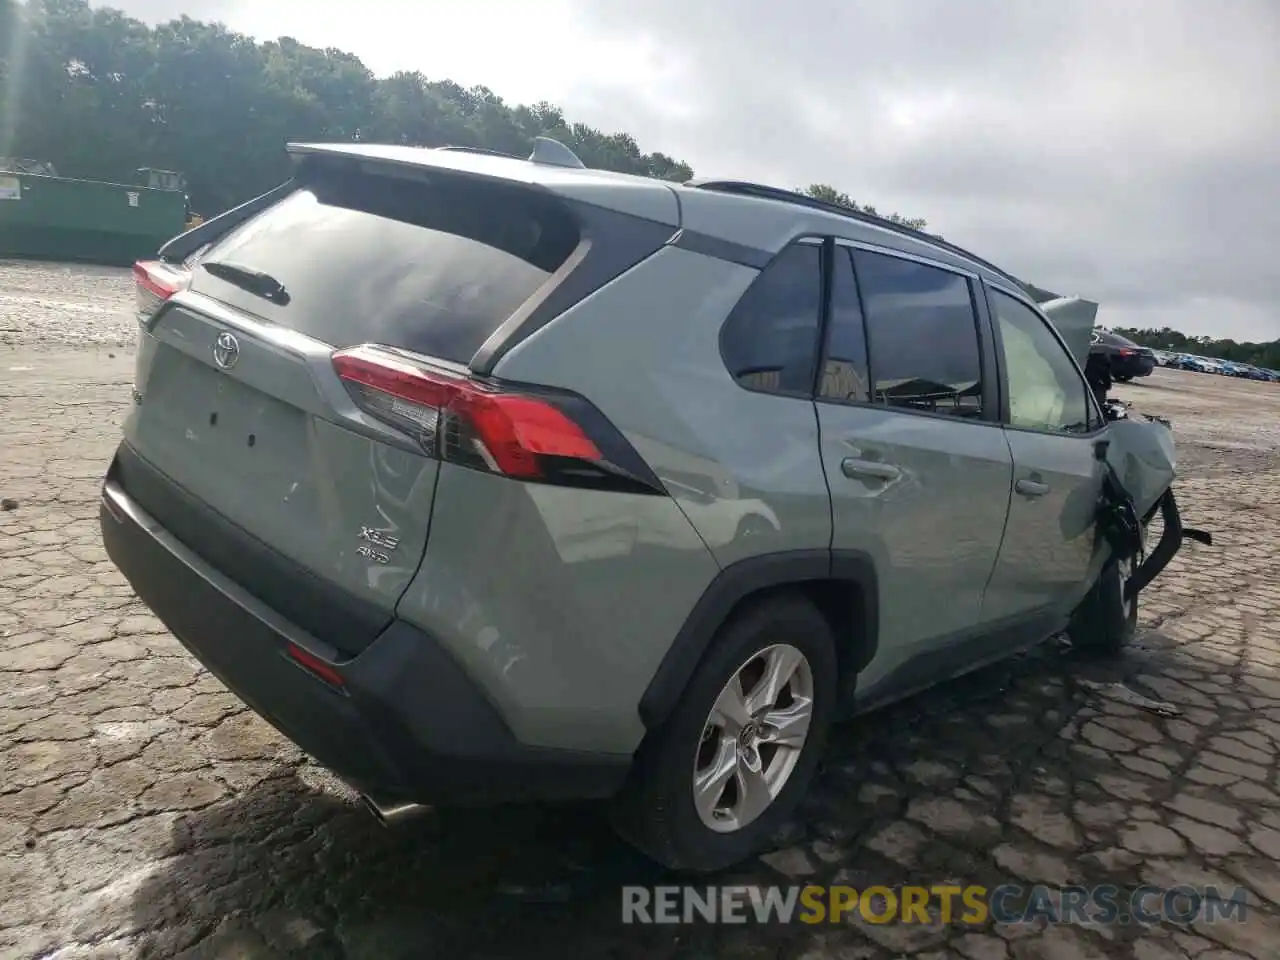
(226, 351)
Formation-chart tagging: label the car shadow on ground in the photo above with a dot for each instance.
(287, 870)
(290, 869)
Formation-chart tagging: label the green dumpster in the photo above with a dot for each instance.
(55, 218)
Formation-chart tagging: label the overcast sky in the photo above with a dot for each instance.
(1125, 152)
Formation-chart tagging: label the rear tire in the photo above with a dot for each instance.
(1104, 623)
(656, 810)
(1121, 378)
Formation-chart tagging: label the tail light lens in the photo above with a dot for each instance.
(315, 665)
(1124, 352)
(155, 282)
(537, 435)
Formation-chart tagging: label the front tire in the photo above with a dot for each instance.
(729, 766)
(1105, 622)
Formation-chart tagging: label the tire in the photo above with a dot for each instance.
(1103, 623)
(1121, 378)
(655, 810)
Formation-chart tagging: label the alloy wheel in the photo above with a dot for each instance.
(753, 738)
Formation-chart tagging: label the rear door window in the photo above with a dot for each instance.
(430, 267)
(922, 336)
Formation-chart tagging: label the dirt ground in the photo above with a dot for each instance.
(144, 812)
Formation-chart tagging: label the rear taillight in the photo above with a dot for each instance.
(1125, 353)
(524, 433)
(155, 282)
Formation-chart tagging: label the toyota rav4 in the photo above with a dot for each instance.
(493, 479)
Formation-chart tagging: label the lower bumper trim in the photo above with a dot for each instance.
(1158, 559)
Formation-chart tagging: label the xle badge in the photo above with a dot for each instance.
(373, 539)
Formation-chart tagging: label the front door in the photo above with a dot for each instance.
(1053, 428)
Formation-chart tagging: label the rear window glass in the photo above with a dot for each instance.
(1115, 340)
(430, 267)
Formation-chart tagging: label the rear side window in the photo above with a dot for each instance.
(922, 336)
(770, 340)
(430, 267)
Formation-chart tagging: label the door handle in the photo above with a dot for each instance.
(856, 469)
(1031, 488)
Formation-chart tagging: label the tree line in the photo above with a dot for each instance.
(98, 94)
(1266, 355)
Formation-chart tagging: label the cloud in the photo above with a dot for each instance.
(1124, 152)
(160, 11)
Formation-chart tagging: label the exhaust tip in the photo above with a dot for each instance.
(392, 814)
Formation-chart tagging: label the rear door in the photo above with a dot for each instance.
(1053, 428)
(918, 466)
(245, 443)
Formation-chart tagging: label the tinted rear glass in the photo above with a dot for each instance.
(431, 267)
(770, 340)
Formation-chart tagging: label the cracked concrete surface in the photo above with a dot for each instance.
(144, 812)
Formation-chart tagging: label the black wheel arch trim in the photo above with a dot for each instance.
(743, 579)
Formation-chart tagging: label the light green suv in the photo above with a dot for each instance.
(489, 479)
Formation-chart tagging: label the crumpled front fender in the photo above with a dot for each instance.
(1143, 456)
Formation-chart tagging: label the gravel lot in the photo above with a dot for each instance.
(43, 305)
(145, 813)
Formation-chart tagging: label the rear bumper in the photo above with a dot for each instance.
(1136, 366)
(404, 723)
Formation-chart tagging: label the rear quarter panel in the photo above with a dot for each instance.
(554, 603)
(745, 467)
(563, 603)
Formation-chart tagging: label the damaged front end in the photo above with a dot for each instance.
(1140, 463)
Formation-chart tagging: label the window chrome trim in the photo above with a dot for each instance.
(913, 257)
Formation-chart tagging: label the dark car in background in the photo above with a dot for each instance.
(1125, 358)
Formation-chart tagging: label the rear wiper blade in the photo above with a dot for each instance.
(256, 282)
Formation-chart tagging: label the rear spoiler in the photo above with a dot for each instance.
(185, 244)
(1074, 319)
(546, 153)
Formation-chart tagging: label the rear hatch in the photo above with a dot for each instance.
(301, 471)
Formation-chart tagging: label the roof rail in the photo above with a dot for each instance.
(762, 191)
(483, 150)
(554, 153)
